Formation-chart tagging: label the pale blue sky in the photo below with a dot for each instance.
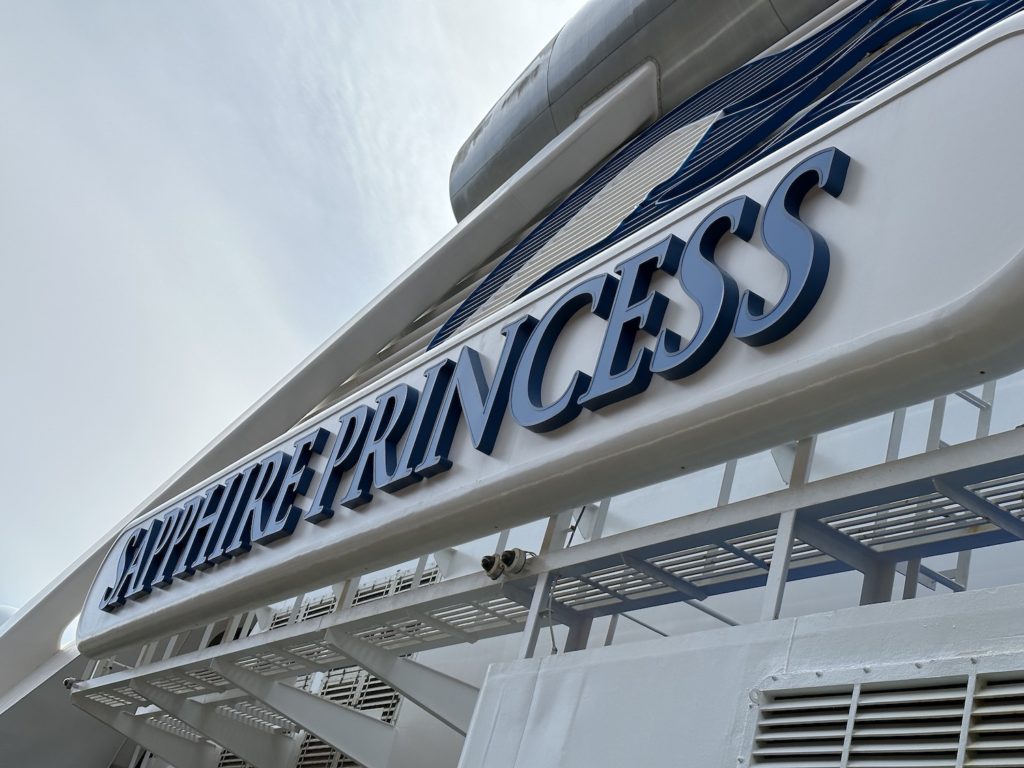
(193, 195)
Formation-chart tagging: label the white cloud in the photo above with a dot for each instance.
(192, 196)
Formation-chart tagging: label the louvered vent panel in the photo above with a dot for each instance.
(356, 688)
(280, 618)
(916, 727)
(803, 729)
(314, 609)
(997, 724)
(319, 754)
(231, 760)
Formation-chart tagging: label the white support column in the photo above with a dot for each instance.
(502, 544)
(851, 719)
(962, 572)
(934, 439)
(613, 623)
(592, 525)
(233, 627)
(146, 654)
(988, 400)
(136, 755)
(537, 613)
(878, 583)
(448, 699)
(784, 457)
(344, 594)
(556, 531)
(296, 613)
(899, 420)
(578, 636)
(176, 750)
(965, 723)
(778, 572)
(174, 642)
(728, 477)
(541, 607)
(365, 739)
(417, 576)
(911, 575)
(204, 642)
(910, 569)
(933, 443)
(260, 748)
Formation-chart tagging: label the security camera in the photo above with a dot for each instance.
(69, 682)
(493, 565)
(514, 560)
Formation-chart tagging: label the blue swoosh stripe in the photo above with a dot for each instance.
(766, 104)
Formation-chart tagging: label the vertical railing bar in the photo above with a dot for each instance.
(296, 612)
(851, 719)
(910, 578)
(232, 628)
(417, 576)
(965, 723)
(778, 571)
(533, 627)
(899, 420)
(988, 394)
(204, 642)
(609, 637)
(728, 477)
(934, 440)
(503, 540)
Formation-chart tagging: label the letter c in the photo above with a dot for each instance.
(527, 407)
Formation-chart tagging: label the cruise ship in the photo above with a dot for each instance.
(696, 442)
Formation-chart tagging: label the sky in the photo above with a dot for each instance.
(193, 195)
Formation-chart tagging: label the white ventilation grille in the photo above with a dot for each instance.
(256, 715)
(230, 760)
(356, 688)
(915, 725)
(350, 687)
(173, 725)
(803, 729)
(997, 724)
(313, 608)
(319, 754)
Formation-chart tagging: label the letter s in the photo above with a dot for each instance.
(801, 250)
(714, 291)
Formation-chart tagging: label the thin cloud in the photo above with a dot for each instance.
(192, 197)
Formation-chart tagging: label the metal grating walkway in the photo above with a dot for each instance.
(690, 558)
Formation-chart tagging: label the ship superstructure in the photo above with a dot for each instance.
(695, 442)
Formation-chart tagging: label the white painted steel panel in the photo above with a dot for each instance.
(692, 700)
